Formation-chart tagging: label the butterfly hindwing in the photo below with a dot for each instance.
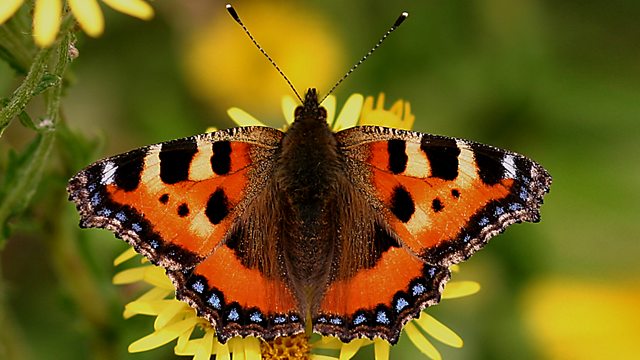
(180, 204)
(444, 197)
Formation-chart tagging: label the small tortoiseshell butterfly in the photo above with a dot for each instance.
(264, 231)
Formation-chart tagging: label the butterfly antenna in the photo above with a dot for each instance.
(395, 25)
(235, 17)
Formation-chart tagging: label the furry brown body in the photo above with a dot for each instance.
(306, 181)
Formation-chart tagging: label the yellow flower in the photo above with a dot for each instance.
(175, 320)
(219, 61)
(47, 15)
(572, 318)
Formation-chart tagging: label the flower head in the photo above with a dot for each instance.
(48, 14)
(194, 336)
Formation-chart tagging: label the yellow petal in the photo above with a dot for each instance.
(350, 113)
(252, 348)
(46, 21)
(129, 276)
(421, 342)
(438, 330)
(182, 345)
(128, 254)
(222, 351)
(152, 308)
(456, 289)
(162, 336)
(89, 16)
(153, 294)
(380, 102)
(153, 275)
(135, 8)
(327, 342)
(397, 107)
(8, 8)
(168, 314)
(237, 348)
(350, 349)
(191, 346)
(203, 352)
(408, 117)
(330, 104)
(243, 118)
(288, 108)
(156, 276)
(381, 349)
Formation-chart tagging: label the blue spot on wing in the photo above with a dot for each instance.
(214, 301)
(401, 304)
(255, 317)
(96, 199)
(121, 216)
(515, 206)
(198, 286)
(382, 318)
(359, 319)
(418, 289)
(233, 315)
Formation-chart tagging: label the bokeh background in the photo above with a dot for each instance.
(558, 81)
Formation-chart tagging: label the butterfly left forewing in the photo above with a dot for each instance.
(184, 204)
(156, 197)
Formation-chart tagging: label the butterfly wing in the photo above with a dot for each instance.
(183, 204)
(440, 199)
(445, 197)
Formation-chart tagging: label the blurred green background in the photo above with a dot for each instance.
(558, 81)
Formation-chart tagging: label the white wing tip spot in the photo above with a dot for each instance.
(108, 172)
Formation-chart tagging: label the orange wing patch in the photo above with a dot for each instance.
(380, 300)
(370, 287)
(182, 209)
(240, 301)
(440, 208)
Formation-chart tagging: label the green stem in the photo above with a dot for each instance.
(30, 174)
(26, 90)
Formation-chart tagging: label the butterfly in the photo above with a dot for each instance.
(350, 234)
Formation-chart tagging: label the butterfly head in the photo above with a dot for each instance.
(310, 108)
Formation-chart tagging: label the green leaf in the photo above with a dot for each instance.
(47, 81)
(26, 121)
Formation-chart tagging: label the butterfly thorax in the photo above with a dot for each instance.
(306, 175)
